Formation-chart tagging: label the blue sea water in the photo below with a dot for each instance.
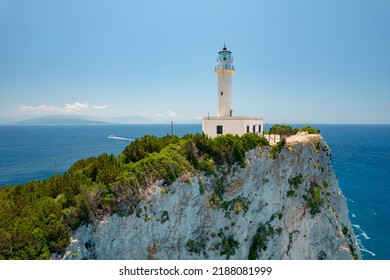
(30, 152)
(361, 160)
(360, 156)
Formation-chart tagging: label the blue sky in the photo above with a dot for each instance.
(302, 61)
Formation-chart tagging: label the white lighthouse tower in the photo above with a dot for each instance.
(225, 122)
(224, 69)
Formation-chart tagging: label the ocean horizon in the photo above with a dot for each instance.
(360, 158)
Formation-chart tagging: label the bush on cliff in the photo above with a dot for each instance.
(287, 130)
(283, 130)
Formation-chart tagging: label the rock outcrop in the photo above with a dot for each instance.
(284, 204)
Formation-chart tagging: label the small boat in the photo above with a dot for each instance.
(120, 138)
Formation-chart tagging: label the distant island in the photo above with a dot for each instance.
(59, 120)
(79, 120)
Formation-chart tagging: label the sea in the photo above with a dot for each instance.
(360, 157)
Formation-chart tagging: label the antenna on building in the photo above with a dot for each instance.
(208, 115)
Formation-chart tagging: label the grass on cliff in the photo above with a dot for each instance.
(35, 218)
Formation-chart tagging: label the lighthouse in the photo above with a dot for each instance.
(224, 69)
(225, 122)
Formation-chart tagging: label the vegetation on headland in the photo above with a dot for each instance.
(36, 218)
(287, 130)
(284, 131)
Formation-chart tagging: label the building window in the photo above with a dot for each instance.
(247, 128)
(259, 128)
(221, 93)
(219, 129)
(254, 128)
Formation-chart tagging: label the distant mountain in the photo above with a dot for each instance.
(85, 120)
(60, 120)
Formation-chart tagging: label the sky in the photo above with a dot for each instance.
(302, 61)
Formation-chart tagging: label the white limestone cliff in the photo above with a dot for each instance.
(268, 212)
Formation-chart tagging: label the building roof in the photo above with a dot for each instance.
(224, 50)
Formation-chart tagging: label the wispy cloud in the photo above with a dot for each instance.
(100, 107)
(67, 108)
(169, 113)
(39, 109)
(70, 108)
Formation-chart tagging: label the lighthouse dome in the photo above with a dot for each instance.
(224, 61)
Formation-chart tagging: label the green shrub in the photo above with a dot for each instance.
(219, 187)
(214, 201)
(287, 130)
(296, 181)
(325, 183)
(309, 129)
(164, 217)
(236, 205)
(201, 186)
(283, 130)
(196, 246)
(207, 167)
(252, 140)
(259, 241)
(345, 230)
(229, 246)
(145, 145)
(314, 200)
(321, 255)
(276, 149)
(290, 193)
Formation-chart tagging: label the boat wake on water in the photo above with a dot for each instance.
(120, 138)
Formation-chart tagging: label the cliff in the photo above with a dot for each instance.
(286, 205)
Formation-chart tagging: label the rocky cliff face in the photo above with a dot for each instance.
(286, 205)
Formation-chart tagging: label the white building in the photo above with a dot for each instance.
(225, 122)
